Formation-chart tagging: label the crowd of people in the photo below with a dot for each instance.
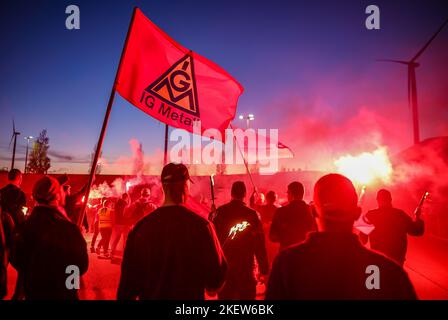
(171, 252)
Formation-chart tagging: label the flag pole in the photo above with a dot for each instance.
(165, 153)
(104, 126)
(244, 160)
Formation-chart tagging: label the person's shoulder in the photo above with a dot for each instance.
(292, 253)
(401, 213)
(281, 209)
(195, 217)
(224, 207)
(153, 217)
(58, 218)
(383, 262)
(250, 211)
(372, 213)
(6, 188)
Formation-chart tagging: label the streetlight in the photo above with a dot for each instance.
(28, 138)
(250, 117)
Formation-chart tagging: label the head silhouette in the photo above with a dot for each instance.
(295, 191)
(238, 191)
(384, 198)
(271, 197)
(15, 177)
(175, 183)
(336, 203)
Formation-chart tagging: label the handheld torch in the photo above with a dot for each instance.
(212, 191)
(418, 210)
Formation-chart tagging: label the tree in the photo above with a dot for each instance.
(39, 161)
(99, 164)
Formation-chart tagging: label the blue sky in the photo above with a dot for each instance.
(297, 60)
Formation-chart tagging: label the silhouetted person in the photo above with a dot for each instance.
(267, 212)
(143, 206)
(267, 209)
(13, 198)
(105, 227)
(3, 259)
(121, 223)
(73, 201)
(332, 263)
(47, 244)
(241, 247)
(391, 228)
(96, 226)
(173, 253)
(292, 222)
(13, 201)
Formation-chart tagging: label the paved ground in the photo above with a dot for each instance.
(427, 265)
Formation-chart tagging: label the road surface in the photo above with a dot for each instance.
(427, 266)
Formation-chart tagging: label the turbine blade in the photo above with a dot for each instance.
(429, 42)
(13, 126)
(12, 137)
(395, 61)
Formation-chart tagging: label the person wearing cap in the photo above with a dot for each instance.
(291, 223)
(73, 201)
(241, 248)
(332, 264)
(173, 253)
(47, 244)
(392, 227)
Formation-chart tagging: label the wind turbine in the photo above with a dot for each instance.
(412, 82)
(14, 136)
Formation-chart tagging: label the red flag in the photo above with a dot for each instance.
(173, 84)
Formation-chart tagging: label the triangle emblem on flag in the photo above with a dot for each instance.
(177, 86)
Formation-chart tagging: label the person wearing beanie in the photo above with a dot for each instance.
(48, 245)
(332, 264)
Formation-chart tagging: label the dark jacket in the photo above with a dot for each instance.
(3, 260)
(333, 266)
(120, 210)
(173, 253)
(139, 209)
(45, 246)
(73, 207)
(291, 224)
(391, 229)
(247, 244)
(12, 199)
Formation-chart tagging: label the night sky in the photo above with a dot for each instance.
(308, 68)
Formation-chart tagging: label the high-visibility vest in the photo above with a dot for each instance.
(105, 218)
